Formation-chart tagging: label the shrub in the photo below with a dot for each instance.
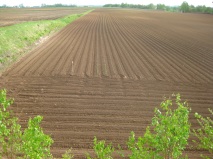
(102, 151)
(68, 154)
(10, 131)
(32, 143)
(204, 134)
(36, 144)
(166, 140)
(171, 130)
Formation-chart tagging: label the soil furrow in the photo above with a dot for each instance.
(104, 74)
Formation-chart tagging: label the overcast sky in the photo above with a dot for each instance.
(102, 2)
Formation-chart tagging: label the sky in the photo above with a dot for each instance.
(102, 2)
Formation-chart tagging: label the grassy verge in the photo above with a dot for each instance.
(16, 39)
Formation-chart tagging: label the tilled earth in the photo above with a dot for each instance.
(10, 16)
(104, 74)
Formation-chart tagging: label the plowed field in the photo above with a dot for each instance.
(104, 74)
(10, 16)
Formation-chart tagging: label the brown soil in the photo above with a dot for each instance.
(10, 16)
(104, 74)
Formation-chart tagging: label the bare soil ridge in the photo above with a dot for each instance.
(124, 63)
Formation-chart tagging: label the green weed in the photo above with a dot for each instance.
(15, 143)
(102, 151)
(68, 154)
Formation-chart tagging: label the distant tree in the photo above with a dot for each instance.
(107, 5)
(209, 10)
(112, 5)
(139, 6)
(168, 8)
(43, 5)
(124, 5)
(175, 9)
(184, 7)
(151, 6)
(192, 8)
(200, 9)
(161, 7)
(58, 5)
(21, 6)
(3, 6)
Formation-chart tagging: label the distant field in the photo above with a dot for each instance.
(104, 74)
(10, 16)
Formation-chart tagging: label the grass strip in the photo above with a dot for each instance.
(15, 40)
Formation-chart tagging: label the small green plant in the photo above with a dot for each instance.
(10, 132)
(32, 143)
(171, 130)
(68, 154)
(204, 134)
(102, 151)
(141, 148)
(36, 144)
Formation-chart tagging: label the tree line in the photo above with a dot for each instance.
(185, 7)
(58, 5)
(42, 6)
